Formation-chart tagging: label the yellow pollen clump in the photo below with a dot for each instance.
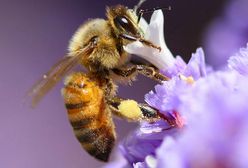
(130, 109)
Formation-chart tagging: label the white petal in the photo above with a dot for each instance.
(143, 24)
(155, 34)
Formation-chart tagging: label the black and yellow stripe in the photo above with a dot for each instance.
(89, 115)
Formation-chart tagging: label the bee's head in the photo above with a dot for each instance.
(124, 21)
(125, 25)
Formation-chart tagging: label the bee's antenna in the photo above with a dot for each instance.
(142, 11)
(138, 5)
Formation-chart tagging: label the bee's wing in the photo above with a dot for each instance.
(57, 71)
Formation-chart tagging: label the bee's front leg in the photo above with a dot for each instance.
(152, 73)
(125, 71)
(145, 70)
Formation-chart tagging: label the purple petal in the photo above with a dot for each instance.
(144, 141)
(196, 66)
(239, 61)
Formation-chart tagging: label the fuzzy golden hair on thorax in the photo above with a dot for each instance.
(105, 55)
(84, 33)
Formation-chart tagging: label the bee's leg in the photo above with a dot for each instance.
(125, 72)
(152, 73)
(133, 111)
(145, 70)
(142, 40)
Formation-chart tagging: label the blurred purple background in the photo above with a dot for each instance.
(227, 33)
(33, 36)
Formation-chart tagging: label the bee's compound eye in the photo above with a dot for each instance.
(122, 22)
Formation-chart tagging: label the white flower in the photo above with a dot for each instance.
(154, 32)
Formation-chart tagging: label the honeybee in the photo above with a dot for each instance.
(90, 98)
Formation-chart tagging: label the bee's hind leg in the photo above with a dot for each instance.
(133, 111)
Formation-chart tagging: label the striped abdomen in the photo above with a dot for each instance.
(89, 115)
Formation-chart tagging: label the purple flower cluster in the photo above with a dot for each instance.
(216, 131)
(215, 110)
(166, 97)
